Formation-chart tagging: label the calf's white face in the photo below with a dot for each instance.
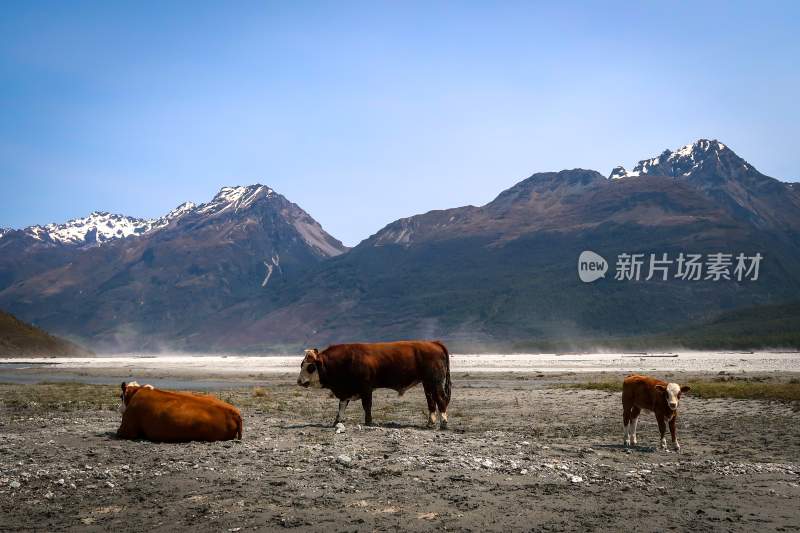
(672, 394)
(309, 369)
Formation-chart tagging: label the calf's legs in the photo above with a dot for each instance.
(630, 419)
(662, 428)
(673, 433)
(626, 419)
(634, 422)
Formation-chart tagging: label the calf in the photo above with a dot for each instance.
(164, 416)
(353, 371)
(642, 392)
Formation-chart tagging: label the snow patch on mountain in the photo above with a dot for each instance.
(100, 227)
(178, 212)
(96, 228)
(235, 198)
(276, 263)
(681, 162)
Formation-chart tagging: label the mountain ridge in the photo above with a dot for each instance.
(249, 270)
(100, 227)
(484, 276)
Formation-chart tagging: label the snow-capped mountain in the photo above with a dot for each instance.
(101, 227)
(144, 281)
(250, 270)
(682, 162)
(506, 271)
(96, 228)
(734, 184)
(176, 213)
(236, 198)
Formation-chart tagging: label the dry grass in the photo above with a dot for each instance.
(79, 396)
(741, 389)
(60, 396)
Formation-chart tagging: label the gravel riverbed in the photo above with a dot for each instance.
(517, 456)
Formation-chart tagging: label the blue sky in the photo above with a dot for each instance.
(363, 113)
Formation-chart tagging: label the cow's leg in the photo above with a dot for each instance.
(662, 427)
(634, 422)
(429, 397)
(127, 430)
(626, 418)
(340, 412)
(441, 403)
(366, 403)
(672, 432)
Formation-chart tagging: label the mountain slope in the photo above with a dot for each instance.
(151, 290)
(483, 277)
(250, 271)
(20, 339)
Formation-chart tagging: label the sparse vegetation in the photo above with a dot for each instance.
(737, 388)
(759, 327)
(59, 396)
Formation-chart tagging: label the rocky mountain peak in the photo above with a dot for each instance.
(100, 226)
(701, 155)
(236, 198)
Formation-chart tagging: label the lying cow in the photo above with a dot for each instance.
(642, 392)
(353, 371)
(164, 416)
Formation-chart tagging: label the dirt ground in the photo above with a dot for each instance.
(519, 455)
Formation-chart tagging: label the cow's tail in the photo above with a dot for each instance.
(447, 370)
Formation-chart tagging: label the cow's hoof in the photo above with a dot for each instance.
(625, 443)
(369, 423)
(443, 425)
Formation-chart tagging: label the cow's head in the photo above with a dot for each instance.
(128, 390)
(309, 369)
(672, 393)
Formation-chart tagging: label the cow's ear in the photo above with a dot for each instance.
(661, 388)
(685, 388)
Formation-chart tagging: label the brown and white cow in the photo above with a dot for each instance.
(165, 416)
(353, 371)
(660, 397)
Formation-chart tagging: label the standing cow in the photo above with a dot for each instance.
(165, 416)
(642, 392)
(353, 371)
